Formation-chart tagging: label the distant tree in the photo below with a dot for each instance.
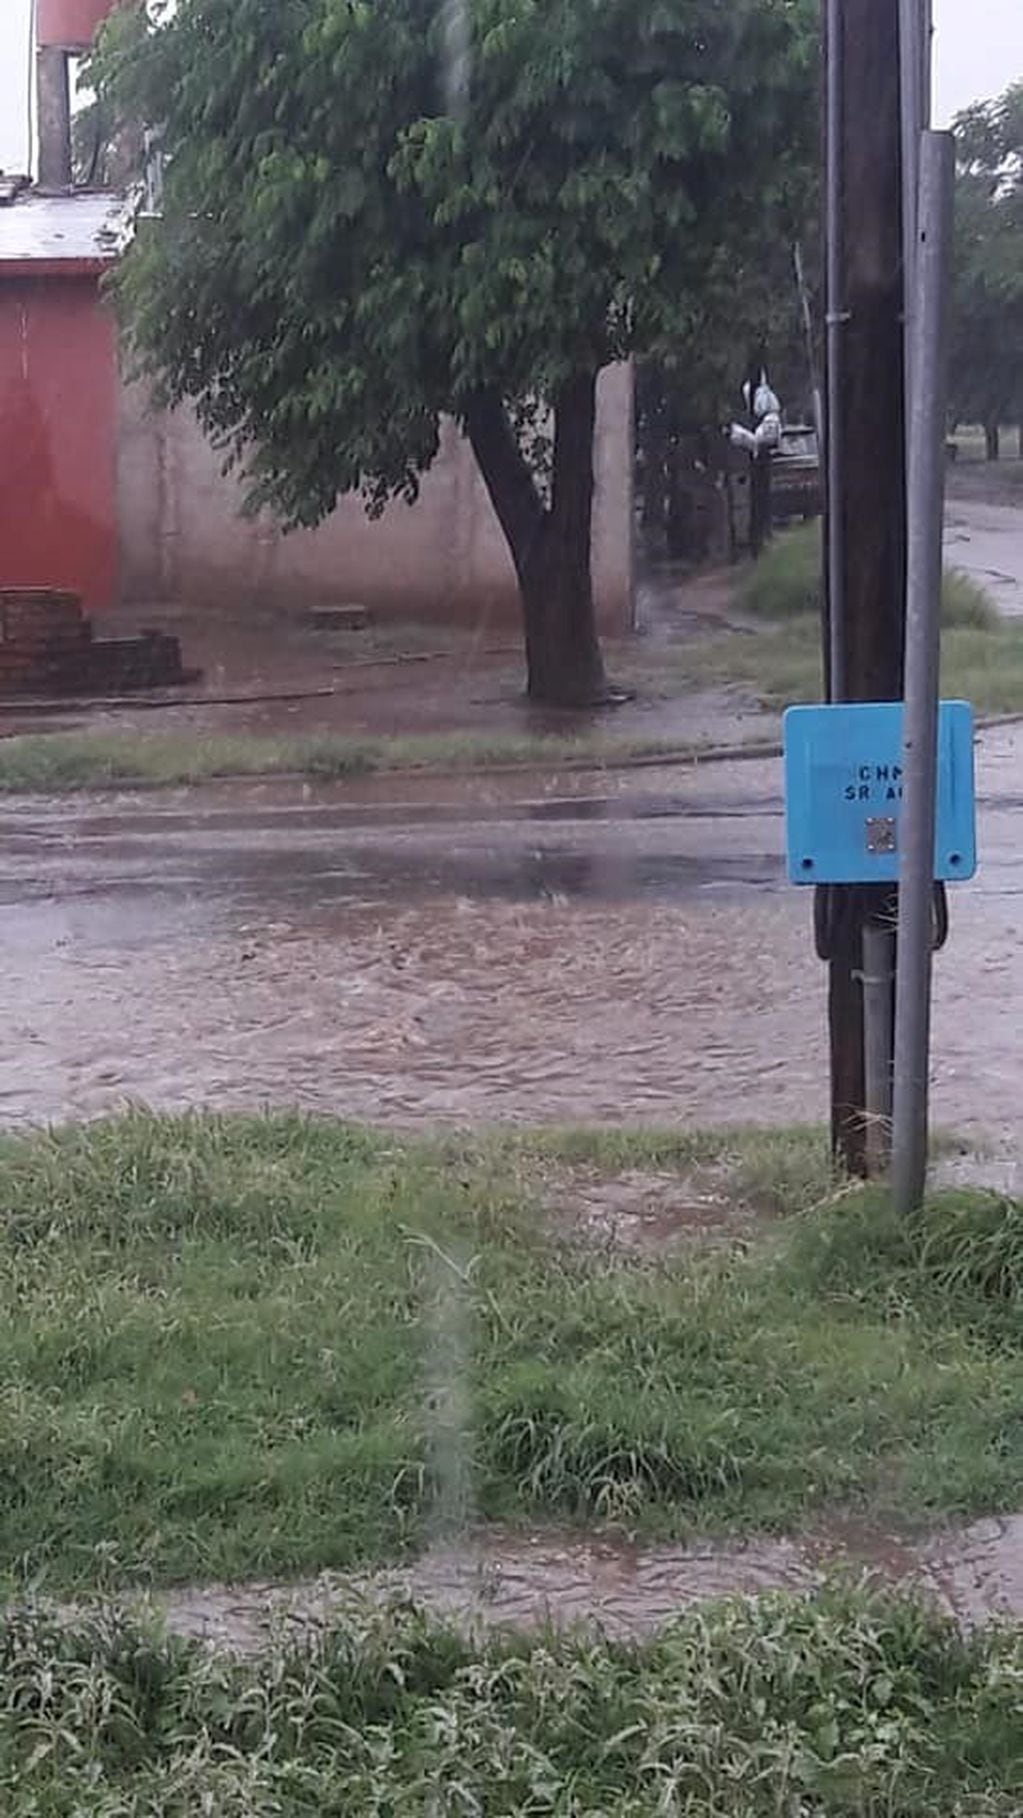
(104, 155)
(379, 211)
(693, 389)
(987, 363)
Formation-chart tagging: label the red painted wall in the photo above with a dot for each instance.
(69, 22)
(57, 438)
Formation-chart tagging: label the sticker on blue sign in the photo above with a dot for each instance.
(843, 793)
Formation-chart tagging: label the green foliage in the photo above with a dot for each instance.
(963, 1248)
(987, 361)
(231, 1347)
(852, 1705)
(341, 258)
(787, 583)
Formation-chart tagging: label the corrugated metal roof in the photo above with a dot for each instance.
(49, 229)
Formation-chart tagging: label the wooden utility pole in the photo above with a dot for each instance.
(867, 502)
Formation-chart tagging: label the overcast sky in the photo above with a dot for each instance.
(978, 52)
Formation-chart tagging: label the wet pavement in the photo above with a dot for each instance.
(278, 676)
(984, 538)
(513, 1580)
(594, 946)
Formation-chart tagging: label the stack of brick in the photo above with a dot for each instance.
(47, 647)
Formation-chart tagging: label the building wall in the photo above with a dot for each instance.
(182, 536)
(57, 438)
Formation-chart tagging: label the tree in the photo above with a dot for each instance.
(379, 211)
(987, 364)
(684, 396)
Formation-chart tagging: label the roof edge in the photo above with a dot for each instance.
(55, 268)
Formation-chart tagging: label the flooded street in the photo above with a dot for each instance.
(593, 946)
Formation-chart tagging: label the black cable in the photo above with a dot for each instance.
(825, 911)
(823, 921)
(940, 916)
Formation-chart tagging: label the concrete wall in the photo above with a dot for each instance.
(182, 537)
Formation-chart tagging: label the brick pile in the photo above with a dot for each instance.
(47, 647)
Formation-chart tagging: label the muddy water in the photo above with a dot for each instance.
(535, 978)
(600, 949)
(494, 1578)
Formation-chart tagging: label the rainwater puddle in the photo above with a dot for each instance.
(650, 1213)
(498, 1579)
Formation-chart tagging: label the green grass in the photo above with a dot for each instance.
(780, 661)
(786, 583)
(782, 664)
(240, 1347)
(847, 1706)
(48, 762)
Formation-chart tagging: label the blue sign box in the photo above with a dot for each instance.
(843, 793)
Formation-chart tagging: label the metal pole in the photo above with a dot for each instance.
(923, 638)
(914, 79)
(878, 973)
(911, 79)
(879, 936)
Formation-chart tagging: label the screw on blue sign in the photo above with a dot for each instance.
(843, 793)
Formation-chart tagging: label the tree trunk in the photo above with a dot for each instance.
(992, 441)
(550, 547)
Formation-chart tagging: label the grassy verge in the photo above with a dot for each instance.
(65, 762)
(781, 665)
(238, 1347)
(850, 1706)
(780, 661)
(787, 583)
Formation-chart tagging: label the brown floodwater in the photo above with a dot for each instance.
(590, 948)
(524, 1581)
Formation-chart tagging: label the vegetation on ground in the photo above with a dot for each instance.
(372, 216)
(65, 762)
(787, 582)
(850, 1706)
(783, 665)
(236, 1347)
(780, 662)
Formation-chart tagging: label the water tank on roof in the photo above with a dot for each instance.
(70, 24)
